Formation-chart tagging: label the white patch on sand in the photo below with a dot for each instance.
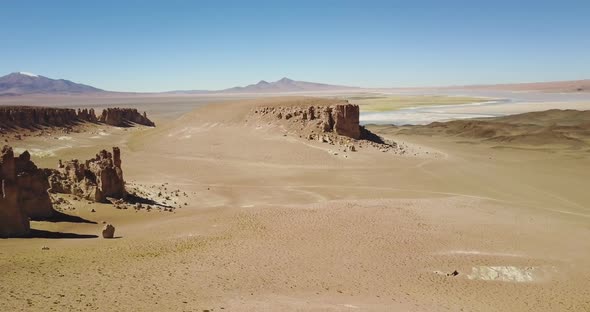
(103, 133)
(508, 273)
(350, 306)
(65, 138)
(479, 253)
(247, 206)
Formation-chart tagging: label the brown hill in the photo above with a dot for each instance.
(552, 127)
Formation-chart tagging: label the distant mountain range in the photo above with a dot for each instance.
(22, 83)
(279, 86)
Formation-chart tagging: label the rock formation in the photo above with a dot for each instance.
(122, 117)
(87, 115)
(32, 185)
(12, 117)
(23, 195)
(95, 179)
(342, 119)
(34, 117)
(335, 122)
(13, 220)
(108, 231)
(346, 120)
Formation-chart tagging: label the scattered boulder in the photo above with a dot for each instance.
(108, 231)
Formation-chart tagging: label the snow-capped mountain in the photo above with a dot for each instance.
(20, 83)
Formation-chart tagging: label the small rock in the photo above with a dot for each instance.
(108, 231)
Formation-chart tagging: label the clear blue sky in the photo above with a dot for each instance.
(167, 45)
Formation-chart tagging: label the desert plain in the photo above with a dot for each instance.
(266, 219)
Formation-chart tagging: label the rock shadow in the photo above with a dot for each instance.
(370, 136)
(134, 199)
(58, 216)
(58, 235)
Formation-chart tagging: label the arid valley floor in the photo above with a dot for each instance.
(266, 219)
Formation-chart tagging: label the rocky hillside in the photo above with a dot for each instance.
(552, 127)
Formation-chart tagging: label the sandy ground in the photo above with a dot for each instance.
(278, 223)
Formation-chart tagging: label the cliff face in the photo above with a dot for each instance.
(30, 117)
(35, 117)
(123, 117)
(346, 120)
(24, 187)
(32, 185)
(95, 179)
(13, 220)
(342, 119)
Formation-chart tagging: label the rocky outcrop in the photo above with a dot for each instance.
(342, 119)
(95, 179)
(123, 117)
(34, 117)
(24, 193)
(14, 117)
(32, 185)
(13, 220)
(87, 115)
(346, 120)
(24, 187)
(335, 122)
